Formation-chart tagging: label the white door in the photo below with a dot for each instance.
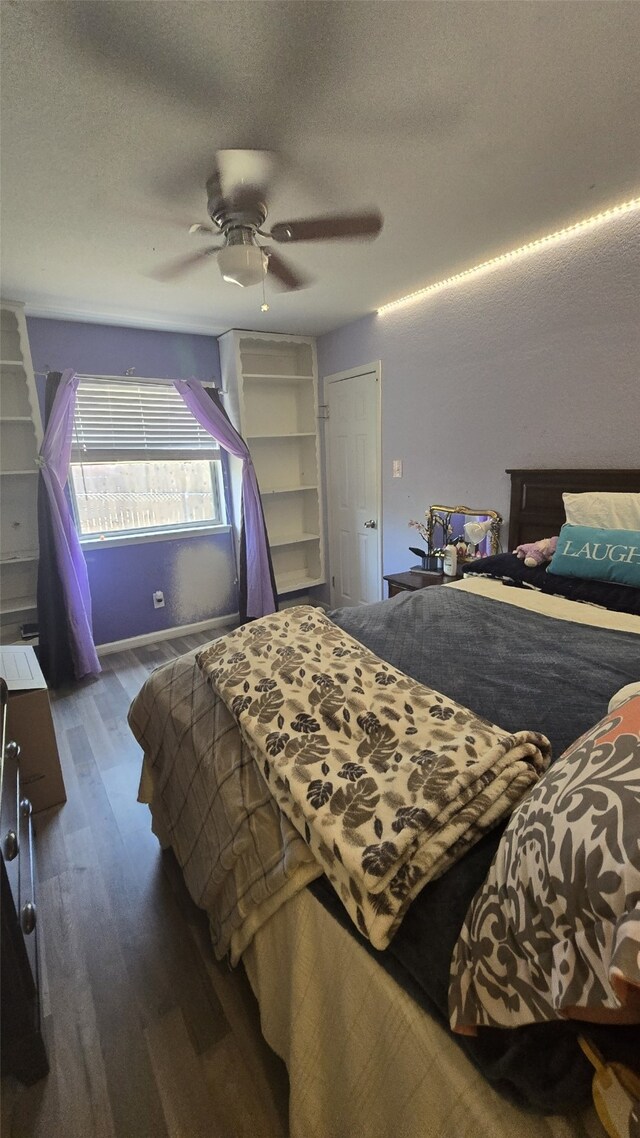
(353, 477)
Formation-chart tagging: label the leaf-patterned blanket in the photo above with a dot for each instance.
(388, 781)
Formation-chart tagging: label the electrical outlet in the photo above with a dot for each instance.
(397, 468)
(158, 599)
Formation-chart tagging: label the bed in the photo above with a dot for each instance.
(364, 1033)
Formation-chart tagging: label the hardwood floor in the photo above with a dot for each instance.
(148, 1036)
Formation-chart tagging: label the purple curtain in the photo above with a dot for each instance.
(257, 593)
(55, 455)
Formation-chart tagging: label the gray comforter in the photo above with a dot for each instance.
(507, 664)
(513, 667)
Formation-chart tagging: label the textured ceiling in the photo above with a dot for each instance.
(473, 126)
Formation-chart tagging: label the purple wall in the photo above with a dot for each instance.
(108, 350)
(535, 363)
(197, 574)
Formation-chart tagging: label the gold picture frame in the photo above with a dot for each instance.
(439, 517)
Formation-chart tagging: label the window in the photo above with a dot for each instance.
(140, 462)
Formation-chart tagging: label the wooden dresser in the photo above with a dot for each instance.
(22, 1044)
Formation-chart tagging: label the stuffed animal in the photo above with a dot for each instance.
(537, 552)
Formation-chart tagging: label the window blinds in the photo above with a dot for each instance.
(135, 420)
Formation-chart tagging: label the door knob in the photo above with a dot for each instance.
(371, 524)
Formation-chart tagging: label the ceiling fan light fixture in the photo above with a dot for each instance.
(237, 207)
(242, 265)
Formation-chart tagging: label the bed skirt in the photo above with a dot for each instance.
(364, 1060)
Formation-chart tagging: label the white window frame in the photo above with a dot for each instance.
(109, 456)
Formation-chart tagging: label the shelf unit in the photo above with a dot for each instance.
(286, 435)
(271, 382)
(20, 440)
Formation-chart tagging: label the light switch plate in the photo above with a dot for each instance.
(397, 468)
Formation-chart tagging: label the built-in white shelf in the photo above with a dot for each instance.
(278, 378)
(286, 435)
(288, 489)
(17, 604)
(261, 374)
(291, 581)
(21, 439)
(271, 382)
(293, 538)
(18, 558)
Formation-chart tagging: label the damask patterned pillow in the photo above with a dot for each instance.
(554, 931)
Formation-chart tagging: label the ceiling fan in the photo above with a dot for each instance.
(236, 193)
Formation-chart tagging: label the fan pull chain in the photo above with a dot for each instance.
(264, 307)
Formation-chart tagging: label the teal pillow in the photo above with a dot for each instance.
(598, 554)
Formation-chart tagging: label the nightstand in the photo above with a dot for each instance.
(415, 579)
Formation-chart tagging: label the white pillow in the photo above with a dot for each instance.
(603, 510)
(623, 695)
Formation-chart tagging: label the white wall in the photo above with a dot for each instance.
(535, 363)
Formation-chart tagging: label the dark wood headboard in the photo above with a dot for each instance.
(536, 497)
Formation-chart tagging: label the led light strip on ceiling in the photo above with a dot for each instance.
(539, 243)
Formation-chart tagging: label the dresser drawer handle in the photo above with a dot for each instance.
(28, 916)
(12, 750)
(11, 845)
(26, 807)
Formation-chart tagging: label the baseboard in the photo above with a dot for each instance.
(166, 634)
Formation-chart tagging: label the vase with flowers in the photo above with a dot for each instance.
(431, 557)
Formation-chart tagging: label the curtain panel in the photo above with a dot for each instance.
(67, 650)
(257, 587)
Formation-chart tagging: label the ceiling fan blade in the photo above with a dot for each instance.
(240, 178)
(359, 225)
(208, 229)
(244, 168)
(284, 274)
(181, 265)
